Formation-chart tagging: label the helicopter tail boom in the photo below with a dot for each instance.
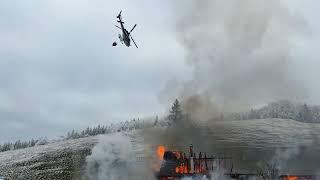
(119, 15)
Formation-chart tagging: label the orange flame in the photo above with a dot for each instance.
(160, 152)
(182, 168)
(292, 178)
(177, 169)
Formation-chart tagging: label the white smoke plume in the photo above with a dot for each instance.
(282, 157)
(288, 160)
(115, 158)
(215, 175)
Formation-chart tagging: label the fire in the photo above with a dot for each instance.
(182, 169)
(177, 154)
(160, 152)
(179, 164)
(292, 178)
(177, 170)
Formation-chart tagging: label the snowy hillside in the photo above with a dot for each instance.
(249, 142)
(284, 110)
(60, 160)
(294, 145)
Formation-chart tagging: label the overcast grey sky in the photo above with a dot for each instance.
(58, 70)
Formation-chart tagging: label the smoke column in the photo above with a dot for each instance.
(115, 158)
(240, 53)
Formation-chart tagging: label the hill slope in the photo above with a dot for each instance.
(250, 142)
(61, 160)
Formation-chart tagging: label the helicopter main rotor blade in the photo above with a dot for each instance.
(117, 26)
(133, 28)
(133, 41)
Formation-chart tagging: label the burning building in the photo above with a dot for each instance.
(176, 164)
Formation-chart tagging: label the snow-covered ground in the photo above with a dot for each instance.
(293, 145)
(251, 143)
(264, 133)
(59, 160)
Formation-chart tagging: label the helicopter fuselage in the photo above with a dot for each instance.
(125, 35)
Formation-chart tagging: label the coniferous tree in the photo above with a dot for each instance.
(156, 121)
(175, 115)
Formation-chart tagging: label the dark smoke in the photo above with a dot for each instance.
(240, 53)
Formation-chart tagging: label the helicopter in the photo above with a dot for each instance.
(126, 37)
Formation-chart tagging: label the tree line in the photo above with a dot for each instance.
(22, 144)
(283, 110)
(280, 109)
(133, 124)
